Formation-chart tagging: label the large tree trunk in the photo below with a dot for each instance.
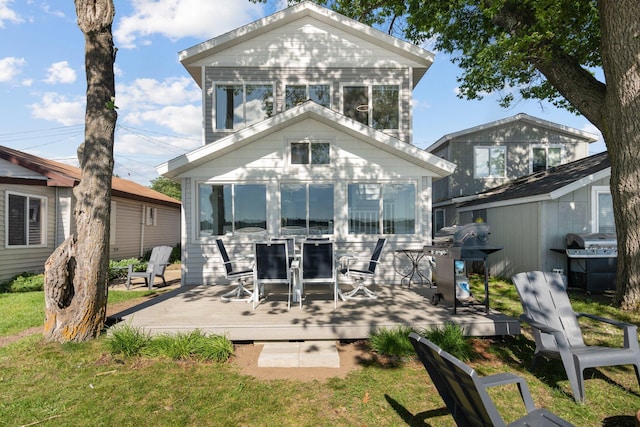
(76, 274)
(620, 22)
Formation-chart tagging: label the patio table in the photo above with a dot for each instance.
(415, 256)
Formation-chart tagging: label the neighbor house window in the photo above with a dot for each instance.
(232, 208)
(26, 220)
(241, 105)
(310, 152)
(297, 94)
(438, 220)
(602, 211)
(306, 209)
(382, 208)
(490, 162)
(377, 106)
(543, 158)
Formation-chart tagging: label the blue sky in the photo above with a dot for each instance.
(42, 82)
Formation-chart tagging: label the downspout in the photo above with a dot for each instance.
(142, 232)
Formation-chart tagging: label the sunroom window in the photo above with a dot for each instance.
(231, 208)
(382, 208)
(26, 219)
(241, 105)
(377, 106)
(306, 209)
(297, 94)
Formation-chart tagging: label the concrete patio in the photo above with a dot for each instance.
(187, 308)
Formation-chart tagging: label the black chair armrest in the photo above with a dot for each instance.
(509, 378)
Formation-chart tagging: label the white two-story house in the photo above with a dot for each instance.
(307, 132)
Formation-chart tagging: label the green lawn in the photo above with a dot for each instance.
(84, 385)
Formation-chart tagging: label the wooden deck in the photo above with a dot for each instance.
(200, 307)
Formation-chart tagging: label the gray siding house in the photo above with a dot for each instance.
(36, 211)
(532, 215)
(495, 153)
(307, 132)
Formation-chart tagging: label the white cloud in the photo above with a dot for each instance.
(10, 67)
(7, 14)
(185, 120)
(175, 19)
(60, 72)
(57, 108)
(151, 92)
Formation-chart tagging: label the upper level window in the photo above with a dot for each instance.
(310, 153)
(543, 158)
(26, 219)
(377, 106)
(241, 105)
(382, 208)
(297, 94)
(231, 208)
(490, 162)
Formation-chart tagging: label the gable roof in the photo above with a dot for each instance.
(62, 175)
(309, 109)
(190, 57)
(545, 185)
(521, 117)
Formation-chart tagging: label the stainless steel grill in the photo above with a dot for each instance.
(592, 261)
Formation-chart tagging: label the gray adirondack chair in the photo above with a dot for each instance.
(557, 332)
(465, 393)
(158, 262)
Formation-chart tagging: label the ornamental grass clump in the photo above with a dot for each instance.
(392, 342)
(127, 340)
(451, 338)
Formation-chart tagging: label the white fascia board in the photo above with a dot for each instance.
(604, 173)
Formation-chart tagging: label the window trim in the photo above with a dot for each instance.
(43, 219)
(546, 147)
(369, 86)
(244, 85)
(502, 148)
(596, 190)
(306, 84)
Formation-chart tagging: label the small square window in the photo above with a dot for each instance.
(300, 153)
(314, 153)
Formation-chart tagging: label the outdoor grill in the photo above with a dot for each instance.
(453, 248)
(592, 260)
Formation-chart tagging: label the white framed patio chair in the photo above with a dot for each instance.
(359, 270)
(317, 267)
(557, 333)
(271, 267)
(156, 266)
(241, 275)
(291, 246)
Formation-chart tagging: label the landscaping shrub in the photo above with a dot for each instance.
(392, 342)
(25, 282)
(452, 339)
(127, 340)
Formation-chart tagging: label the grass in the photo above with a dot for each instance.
(87, 384)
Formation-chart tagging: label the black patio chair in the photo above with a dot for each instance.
(465, 393)
(318, 266)
(361, 269)
(271, 267)
(240, 292)
(557, 332)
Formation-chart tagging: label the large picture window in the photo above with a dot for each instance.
(297, 94)
(490, 162)
(382, 208)
(543, 158)
(26, 219)
(232, 208)
(306, 209)
(377, 106)
(241, 105)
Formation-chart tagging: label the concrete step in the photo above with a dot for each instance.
(302, 354)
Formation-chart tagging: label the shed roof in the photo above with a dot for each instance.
(190, 57)
(62, 175)
(182, 164)
(545, 185)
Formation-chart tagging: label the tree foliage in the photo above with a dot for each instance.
(167, 187)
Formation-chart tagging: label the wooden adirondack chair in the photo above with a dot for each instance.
(465, 393)
(158, 262)
(557, 333)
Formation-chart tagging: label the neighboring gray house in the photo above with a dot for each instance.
(532, 215)
(36, 211)
(307, 131)
(495, 153)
